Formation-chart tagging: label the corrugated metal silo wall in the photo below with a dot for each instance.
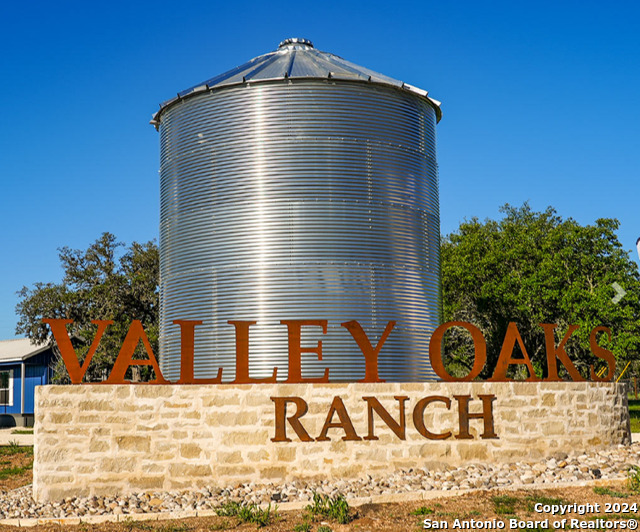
(300, 200)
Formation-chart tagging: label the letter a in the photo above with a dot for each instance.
(505, 359)
(125, 356)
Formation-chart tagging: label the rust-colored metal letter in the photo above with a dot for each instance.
(69, 357)
(337, 406)
(294, 420)
(370, 354)
(125, 356)
(295, 350)
(418, 417)
(602, 353)
(554, 353)
(242, 354)
(505, 359)
(187, 349)
(479, 346)
(397, 427)
(486, 416)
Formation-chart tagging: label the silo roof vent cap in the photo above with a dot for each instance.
(295, 42)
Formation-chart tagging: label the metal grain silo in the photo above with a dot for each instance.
(300, 186)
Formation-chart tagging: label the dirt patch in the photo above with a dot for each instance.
(16, 465)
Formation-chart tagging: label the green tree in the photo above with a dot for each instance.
(98, 284)
(531, 268)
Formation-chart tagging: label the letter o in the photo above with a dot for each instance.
(479, 351)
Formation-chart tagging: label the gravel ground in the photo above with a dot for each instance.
(609, 464)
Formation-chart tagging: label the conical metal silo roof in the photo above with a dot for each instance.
(296, 59)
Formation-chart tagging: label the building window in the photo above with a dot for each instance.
(6, 387)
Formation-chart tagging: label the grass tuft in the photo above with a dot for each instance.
(423, 510)
(14, 471)
(13, 448)
(228, 509)
(336, 508)
(633, 479)
(601, 490)
(248, 513)
(504, 504)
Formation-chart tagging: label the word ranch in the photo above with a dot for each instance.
(373, 405)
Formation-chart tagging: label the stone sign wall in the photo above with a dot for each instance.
(108, 439)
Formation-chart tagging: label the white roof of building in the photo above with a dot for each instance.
(19, 349)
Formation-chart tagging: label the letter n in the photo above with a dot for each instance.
(398, 427)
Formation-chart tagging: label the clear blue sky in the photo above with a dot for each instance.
(540, 103)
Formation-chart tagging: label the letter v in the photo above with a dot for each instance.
(69, 357)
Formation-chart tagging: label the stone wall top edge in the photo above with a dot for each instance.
(346, 386)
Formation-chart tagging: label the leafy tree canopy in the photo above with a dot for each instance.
(531, 268)
(99, 283)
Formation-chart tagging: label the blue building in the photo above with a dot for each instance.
(23, 366)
